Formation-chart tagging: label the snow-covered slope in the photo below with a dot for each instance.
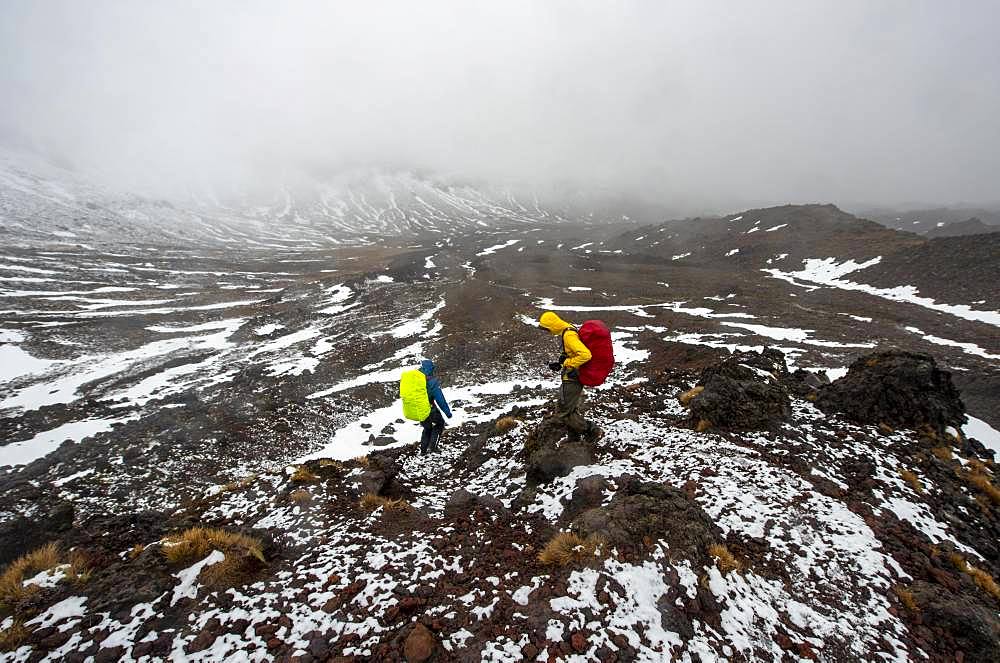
(192, 383)
(40, 202)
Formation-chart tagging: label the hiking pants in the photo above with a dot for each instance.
(570, 406)
(433, 426)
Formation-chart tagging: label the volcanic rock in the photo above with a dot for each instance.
(549, 455)
(898, 388)
(743, 392)
(419, 645)
(646, 511)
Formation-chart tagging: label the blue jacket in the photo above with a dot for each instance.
(434, 387)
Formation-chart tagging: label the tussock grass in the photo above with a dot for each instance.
(136, 550)
(303, 475)
(943, 453)
(12, 587)
(195, 543)
(906, 598)
(958, 562)
(14, 636)
(300, 496)
(724, 559)
(505, 424)
(371, 501)
(329, 462)
(79, 570)
(886, 428)
(912, 479)
(686, 397)
(703, 425)
(985, 581)
(362, 461)
(245, 482)
(241, 552)
(568, 547)
(975, 474)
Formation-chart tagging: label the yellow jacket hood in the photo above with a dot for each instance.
(553, 323)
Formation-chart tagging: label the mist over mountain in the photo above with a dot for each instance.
(706, 108)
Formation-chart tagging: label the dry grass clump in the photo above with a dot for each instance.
(567, 547)
(703, 425)
(329, 462)
(300, 496)
(242, 553)
(195, 543)
(724, 559)
(912, 479)
(958, 561)
(362, 461)
(13, 636)
(906, 598)
(245, 482)
(985, 581)
(371, 501)
(505, 424)
(303, 475)
(943, 453)
(79, 567)
(686, 397)
(136, 550)
(976, 476)
(12, 587)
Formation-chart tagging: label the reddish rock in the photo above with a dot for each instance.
(419, 645)
(274, 643)
(529, 652)
(579, 642)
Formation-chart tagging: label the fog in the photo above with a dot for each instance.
(698, 104)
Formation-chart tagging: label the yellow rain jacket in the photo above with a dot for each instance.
(576, 352)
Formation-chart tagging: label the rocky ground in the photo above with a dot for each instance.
(775, 516)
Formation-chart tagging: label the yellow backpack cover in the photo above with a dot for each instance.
(413, 391)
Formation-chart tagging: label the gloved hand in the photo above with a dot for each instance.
(555, 366)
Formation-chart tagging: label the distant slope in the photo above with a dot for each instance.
(924, 221)
(963, 269)
(761, 237)
(973, 226)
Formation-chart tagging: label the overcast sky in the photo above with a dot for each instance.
(700, 103)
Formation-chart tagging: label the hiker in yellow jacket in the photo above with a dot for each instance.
(574, 355)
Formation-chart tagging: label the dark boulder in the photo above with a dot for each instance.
(898, 388)
(379, 477)
(744, 392)
(588, 494)
(21, 535)
(975, 628)
(641, 513)
(549, 454)
(462, 503)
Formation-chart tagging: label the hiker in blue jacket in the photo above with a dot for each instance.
(433, 425)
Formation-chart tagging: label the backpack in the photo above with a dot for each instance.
(413, 391)
(597, 337)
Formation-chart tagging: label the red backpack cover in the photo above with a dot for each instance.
(597, 337)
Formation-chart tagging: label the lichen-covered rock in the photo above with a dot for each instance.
(898, 388)
(744, 392)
